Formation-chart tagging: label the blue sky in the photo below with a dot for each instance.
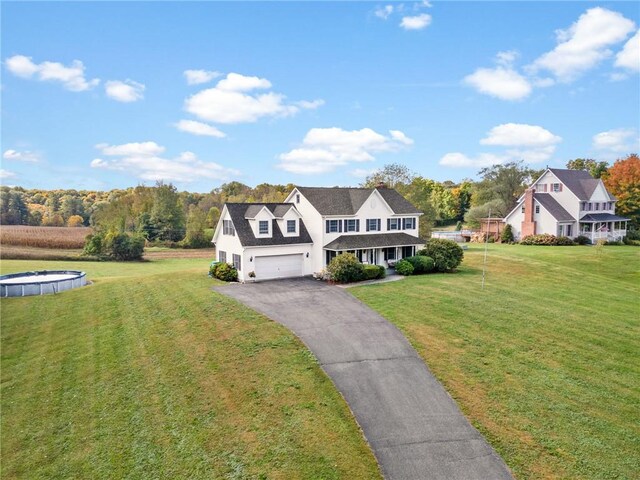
(99, 95)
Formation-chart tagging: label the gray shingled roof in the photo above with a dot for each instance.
(373, 240)
(252, 211)
(280, 210)
(238, 212)
(347, 201)
(580, 182)
(553, 207)
(602, 217)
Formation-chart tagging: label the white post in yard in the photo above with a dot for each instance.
(486, 244)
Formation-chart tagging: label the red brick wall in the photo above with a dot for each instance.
(528, 224)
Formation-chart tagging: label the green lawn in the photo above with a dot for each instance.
(545, 361)
(147, 373)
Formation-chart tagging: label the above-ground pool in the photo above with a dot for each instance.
(40, 283)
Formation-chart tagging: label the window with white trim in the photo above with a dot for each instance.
(393, 224)
(227, 228)
(222, 256)
(556, 187)
(291, 226)
(263, 227)
(596, 206)
(352, 225)
(373, 225)
(537, 208)
(409, 223)
(237, 262)
(334, 226)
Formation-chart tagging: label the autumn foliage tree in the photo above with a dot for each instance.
(623, 181)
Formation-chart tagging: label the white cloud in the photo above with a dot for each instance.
(417, 22)
(6, 174)
(196, 77)
(127, 91)
(383, 12)
(519, 134)
(507, 57)
(143, 160)
(310, 105)
(629, 56)
(324, 149)
(143, 149)
(621, 140)
(199, 128)
(460, 160)
(530, 143)
(362, 172)
(585, 44)
(230, 101)
(72, 77)
(24, 156)
(501, 82)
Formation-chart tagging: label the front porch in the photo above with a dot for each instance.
(374, 249)
(603, 226)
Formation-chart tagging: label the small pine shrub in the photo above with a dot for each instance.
(582, 240)
(421, 264)
(345, 268)
(372, 272)
(507, 234)
(446, 254)
(225, 272)
(404, 267)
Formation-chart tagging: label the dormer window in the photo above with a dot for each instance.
(263, 227)
(291, 226)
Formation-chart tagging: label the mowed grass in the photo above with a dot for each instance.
(545, 361)
(147, 373)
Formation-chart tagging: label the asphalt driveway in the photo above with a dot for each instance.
(414, 427)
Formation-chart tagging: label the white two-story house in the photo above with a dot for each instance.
(300, 236)
(567, 203)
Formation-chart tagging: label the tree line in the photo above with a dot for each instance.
(161, 213)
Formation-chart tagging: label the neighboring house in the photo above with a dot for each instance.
(301, 236)
(567, 203)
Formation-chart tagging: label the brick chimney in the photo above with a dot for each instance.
(528, 224)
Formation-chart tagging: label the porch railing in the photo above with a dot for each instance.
(611, 235)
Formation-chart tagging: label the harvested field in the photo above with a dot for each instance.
(44, 237)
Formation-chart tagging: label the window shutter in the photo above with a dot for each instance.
(339, 226)
(367, 224)
(357, 225)
(560, 188)
(379, 225)
(328, 226)
(388, 224)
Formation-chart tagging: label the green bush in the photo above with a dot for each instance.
(582, 240)
(93, 245)
(630, 241)
(446, 254)
(403, 267)
(546, 239)
(633, 234)
(212, 269)
(121, 246)
(507, 234)
(564, 241)
(118, 246)
(225, 272)
(372, 272)
(421, 264)
(345, 268)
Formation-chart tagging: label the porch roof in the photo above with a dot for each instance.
(373, 240)
(602, 217)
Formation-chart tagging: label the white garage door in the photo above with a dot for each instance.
(279, 266)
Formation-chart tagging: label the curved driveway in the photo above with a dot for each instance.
(414, 427)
